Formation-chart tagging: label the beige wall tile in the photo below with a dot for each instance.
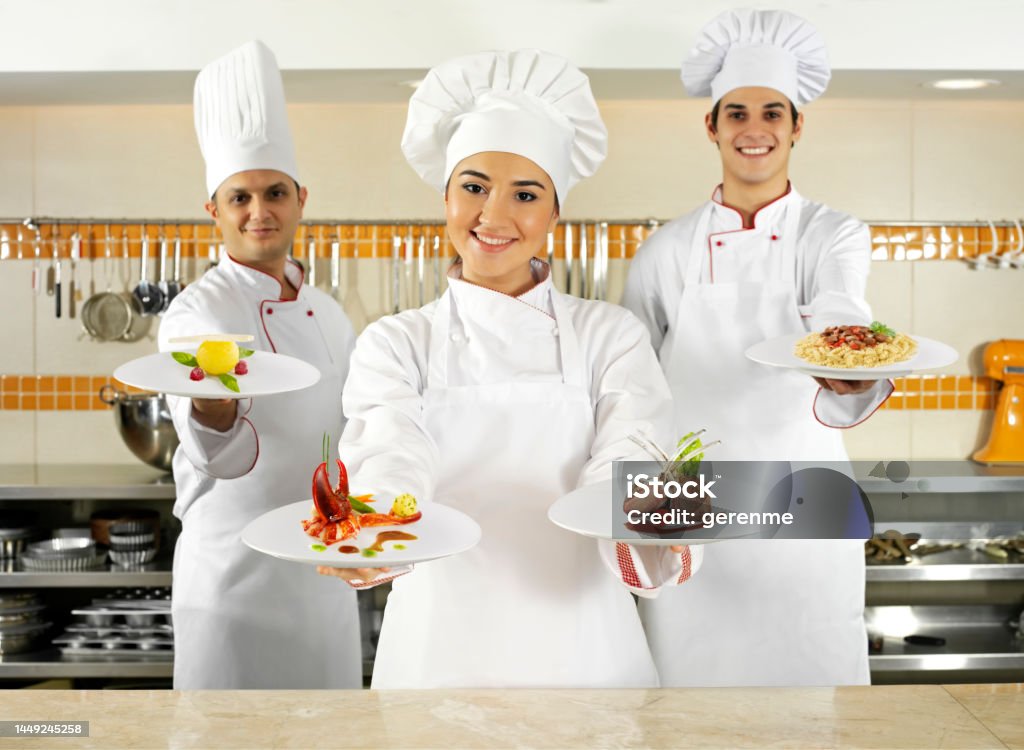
(350, 157)
(947, 434)
(855, 157)
(81, 437)
(660, 164)
(17, 343)
(886, 435)
(891, 294)
(16, 156)
(17, 437)
(135, 162)
(966, 308)
(968, 160)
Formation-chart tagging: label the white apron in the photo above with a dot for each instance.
(760, 612)
(532, 605)
(243, 619)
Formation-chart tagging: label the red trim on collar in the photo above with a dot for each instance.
(753, 217)
(302, 275)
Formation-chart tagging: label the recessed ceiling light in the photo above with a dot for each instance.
(964, 84)
(413, 84)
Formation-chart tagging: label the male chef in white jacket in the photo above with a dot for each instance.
(755, 262)
(243, 619)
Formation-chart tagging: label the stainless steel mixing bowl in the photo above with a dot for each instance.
(145, 425)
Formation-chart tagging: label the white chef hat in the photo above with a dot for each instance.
(525, 102)
(240, 115)
(770, 48)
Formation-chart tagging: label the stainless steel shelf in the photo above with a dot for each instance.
(944, 476)
(976, 638)
(50, 664)
(86, 482)
(953, 565)
(157, 573)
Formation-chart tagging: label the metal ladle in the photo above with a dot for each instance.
(151, 299)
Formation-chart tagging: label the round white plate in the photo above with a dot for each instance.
(778, 352)
(442, 531)
(268, 374)
(588, 511)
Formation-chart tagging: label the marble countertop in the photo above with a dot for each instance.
(903, 716)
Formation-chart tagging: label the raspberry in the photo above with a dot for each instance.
(197, 373)
(241, 368)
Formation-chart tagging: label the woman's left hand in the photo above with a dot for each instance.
(845, 387)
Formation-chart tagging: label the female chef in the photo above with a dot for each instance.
(758, 261)
(505, 395)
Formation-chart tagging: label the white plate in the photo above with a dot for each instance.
(778, 352)
(588, 511)
(442, 531)
(268, 374)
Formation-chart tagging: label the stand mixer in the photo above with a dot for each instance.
(1004, 361)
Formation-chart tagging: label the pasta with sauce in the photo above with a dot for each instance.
(855, 346)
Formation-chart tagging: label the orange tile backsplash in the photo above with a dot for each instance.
(376, 240)
(81, 392)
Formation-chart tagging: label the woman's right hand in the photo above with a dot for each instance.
(362, 575)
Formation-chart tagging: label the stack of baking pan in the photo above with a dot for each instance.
(22, 622)
(132, 543)
(63, 554)
(137, 626)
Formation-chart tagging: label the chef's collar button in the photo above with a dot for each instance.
(719, 243)
(775, 236)
(458, 338)
(309, 313)
(270, 311)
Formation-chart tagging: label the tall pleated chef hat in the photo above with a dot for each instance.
(770, 48)
(525, 102)
(240, 115)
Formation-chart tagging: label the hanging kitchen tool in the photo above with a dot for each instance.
(56, 267)
(151, 299)
(311, 257)
(351, 302)
(1016, 258)
(568, 258)
(396, 272)
(36, 250)
(421, 260)
(584, 271)
(336, 263)
(162, 278)
(51, 272)
(408, 280)
(74, 293)
(110, 315)
(437, 266)
(174, 285)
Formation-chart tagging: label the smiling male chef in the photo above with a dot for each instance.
(756, 262)
(243, 619)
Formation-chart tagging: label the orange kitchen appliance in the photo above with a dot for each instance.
(1004, 360)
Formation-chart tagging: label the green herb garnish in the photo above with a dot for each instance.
(317, 547)
(185, 358)
(369, 552)
(229, 382)
(882, 328)
(691, 455)
(243, 353)
(399, 546)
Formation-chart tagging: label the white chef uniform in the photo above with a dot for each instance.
(243, 619)
(762, 612)
(498, 406)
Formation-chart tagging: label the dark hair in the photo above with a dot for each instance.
(298, 189)
(714, 114)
